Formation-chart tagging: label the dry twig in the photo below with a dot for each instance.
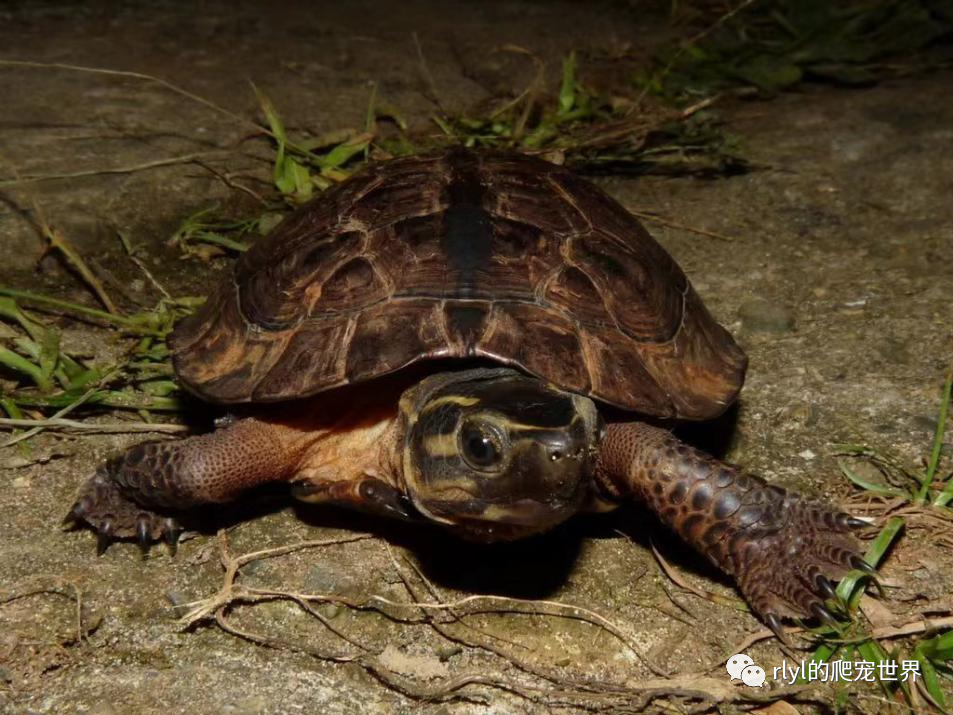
(697, 691)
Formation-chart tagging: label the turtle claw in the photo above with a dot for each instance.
(76, 516)
(144, 533)
(104, 537)
(857, 562)
(855, 523)
(823, 615)
(171, 531)
(773, 621)
(825, 587)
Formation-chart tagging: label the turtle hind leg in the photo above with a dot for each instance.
(142, 493)
(782, 549)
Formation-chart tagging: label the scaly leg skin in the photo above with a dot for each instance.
(782, 549)
(140, 493)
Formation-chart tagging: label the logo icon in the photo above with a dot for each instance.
(741, 667)
(736, 664)
(753, 675)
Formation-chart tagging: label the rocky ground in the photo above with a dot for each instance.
(835, 279)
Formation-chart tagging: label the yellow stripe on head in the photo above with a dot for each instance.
(458, 400)
(441, 445)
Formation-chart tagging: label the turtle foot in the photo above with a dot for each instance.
(103, 506)
(787, 564)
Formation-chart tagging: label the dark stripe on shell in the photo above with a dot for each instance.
(466, 323)
(467, 238)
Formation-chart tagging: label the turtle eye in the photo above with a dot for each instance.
(480, 446)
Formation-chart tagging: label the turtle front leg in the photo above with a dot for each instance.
(141, 492)
(782, 549)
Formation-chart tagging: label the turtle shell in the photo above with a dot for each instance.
(462, 254)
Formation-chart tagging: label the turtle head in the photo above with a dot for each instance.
(494, 454)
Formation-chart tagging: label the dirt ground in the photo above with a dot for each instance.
(836, 280)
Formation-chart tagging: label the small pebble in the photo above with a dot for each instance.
(330, 610)
(445, 653)
(804, 414)
(330, 579)
(894, 351)
(925, 423)
(761, 316)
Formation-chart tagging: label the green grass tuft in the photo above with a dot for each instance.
(775, 45)
(854, 641)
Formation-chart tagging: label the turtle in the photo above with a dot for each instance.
(484, 340)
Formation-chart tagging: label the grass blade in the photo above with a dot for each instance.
(929, 654)
(20, 364)
(931, 681)
(49, 358)
(76, 308)
(340, 154)
(567, 89)
(868, 486)
(848, 588)
(944, 497)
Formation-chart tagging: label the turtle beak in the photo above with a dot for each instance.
(520, 512)
(529, 512)
(490, 523)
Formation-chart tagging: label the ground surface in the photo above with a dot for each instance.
(836, 280)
